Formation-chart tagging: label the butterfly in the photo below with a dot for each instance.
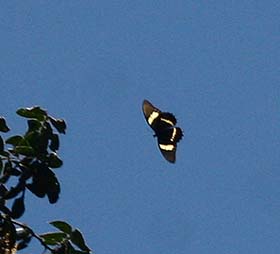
(163, 124)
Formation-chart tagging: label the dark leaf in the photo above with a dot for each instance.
(4, 178)
(59, 124)
(54, 161)
(3, 190)
(54, 145)
(15, 172)
(34, 112)
(14, 140)
(4, 153)
(72, 250)
(23, 243)
(38, 141)
(1, 145)
(8, 168)
(44, 182)
(14, 191)
(53, 189)
(78, 240)
(36, 189)
(34, 125)
(26, 172)
(62, 226)
(18, 207)
(5, 210)
(39, 179)
(25, 150)
(53, 238)
(3, 125)
(1, 166)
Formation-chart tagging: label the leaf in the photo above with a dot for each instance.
(53, 238)
(1, 145)
(54, 145)
(54, 161)
(33, 125)
(71, 250)
(18, 207)
(14, 191)
(25, 150)
(38, 140)
(59, 124)
(1, 167)
(78, 240)
(62, 226)
(3, 125)
(53, 189)
(15, 172)
(3, 190)
(14, 140)
(34, 112)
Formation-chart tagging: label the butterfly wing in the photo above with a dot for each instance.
(151, 114)
(167, 143)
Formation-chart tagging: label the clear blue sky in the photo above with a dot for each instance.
(214, 64)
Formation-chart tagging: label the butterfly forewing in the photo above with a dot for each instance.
(151, 114)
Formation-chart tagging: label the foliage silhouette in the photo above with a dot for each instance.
(30, 159)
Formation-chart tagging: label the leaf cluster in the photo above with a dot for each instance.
(29, 161)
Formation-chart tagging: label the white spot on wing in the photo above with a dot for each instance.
(167, 147)
(152, 117)
(167, 121)
(173, 134)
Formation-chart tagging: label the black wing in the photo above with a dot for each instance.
(167, 143)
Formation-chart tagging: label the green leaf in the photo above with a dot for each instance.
(3, 125)
(54, 238)
(34, 125)
(18, 207)
(39, 141)
(78, 239)
(34, 112)
(14, 140)
(62, 226)
(59, 124)
(25, 150)
(54, 161)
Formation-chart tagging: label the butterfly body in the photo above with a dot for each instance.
(163, 124)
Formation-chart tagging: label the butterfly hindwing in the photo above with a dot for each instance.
(167, 142)
(163, 124)
(168, 151)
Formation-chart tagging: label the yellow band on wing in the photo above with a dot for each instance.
(169, 147)
(152, 117)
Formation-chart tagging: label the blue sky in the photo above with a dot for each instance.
(214, 64)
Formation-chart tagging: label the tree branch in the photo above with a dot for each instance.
(33, 234)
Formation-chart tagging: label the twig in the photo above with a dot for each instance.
(33, 234)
